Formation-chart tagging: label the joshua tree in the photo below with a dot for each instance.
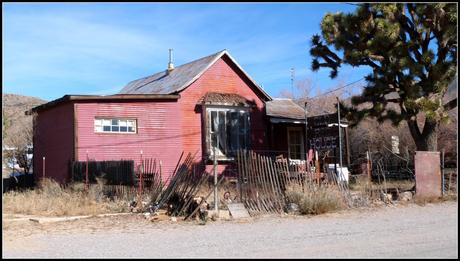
(412, 52)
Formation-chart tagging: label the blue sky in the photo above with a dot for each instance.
(50, 50)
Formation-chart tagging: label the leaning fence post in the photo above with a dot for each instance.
(140, 177)
(86, 179)
(317, 168)
(368, 166)
(161, 178)
(442, 173)
(216, 207)
(43, 167)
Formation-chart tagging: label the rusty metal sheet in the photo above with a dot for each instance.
(427, 174)
(284, 108)
(229, 99)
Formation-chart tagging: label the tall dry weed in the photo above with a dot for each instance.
(315, 199)
(51, 199)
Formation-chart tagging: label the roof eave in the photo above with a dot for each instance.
(116, 97)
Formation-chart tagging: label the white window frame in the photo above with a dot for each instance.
(101, 122)
(209, 133)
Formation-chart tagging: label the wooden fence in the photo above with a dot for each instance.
(263, 181)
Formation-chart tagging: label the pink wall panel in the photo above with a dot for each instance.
(158, 134)
(53, 139)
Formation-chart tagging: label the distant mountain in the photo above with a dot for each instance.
(13, 113)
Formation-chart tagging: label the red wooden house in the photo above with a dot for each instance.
(210, 102)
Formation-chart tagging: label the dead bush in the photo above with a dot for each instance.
(51, 199)
(315, 199)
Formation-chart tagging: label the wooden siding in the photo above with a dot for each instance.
(158, 132)
(222, 77)
(53, 139)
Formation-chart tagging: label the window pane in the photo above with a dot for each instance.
(115, 128)
(98, 128)
(228, 128)
(221, 132)
(106, 128)
(123, 129)
(97, 122)
(214, 121)
(105, 122)
(232, 132)
(131, 129)
(122, 122)
(115, 122)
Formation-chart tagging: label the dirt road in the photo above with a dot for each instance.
(401, 231)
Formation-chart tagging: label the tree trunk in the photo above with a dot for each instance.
(428, 139)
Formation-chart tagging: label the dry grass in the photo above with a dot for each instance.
(315, 199)
(50, 199)
(422, 201)
(361, 183)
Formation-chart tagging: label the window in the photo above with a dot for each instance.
(115, 125)
(228, 131)
(296, 144)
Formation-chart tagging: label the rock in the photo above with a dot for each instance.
(224, 214)
(386, 197)
(292, 208)
(214, 215)
(173, 219)
(155, 218)
(406, 196)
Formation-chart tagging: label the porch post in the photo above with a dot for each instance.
(340, 138)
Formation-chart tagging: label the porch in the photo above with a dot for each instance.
(287, 132)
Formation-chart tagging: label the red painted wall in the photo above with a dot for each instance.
(158, 132)
(221, 77)
(53, 139)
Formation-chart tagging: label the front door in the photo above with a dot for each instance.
(296, 148)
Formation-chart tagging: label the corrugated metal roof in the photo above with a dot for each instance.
(284, 108)
(180, 78)
(166, 83)
(231, 99)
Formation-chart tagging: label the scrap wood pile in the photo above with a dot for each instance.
(180, 194)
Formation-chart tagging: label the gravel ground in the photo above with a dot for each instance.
(394, 231)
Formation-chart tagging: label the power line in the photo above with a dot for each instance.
(337, 88)
(352, 4)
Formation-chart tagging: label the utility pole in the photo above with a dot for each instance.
(307, 166)
(340, 137)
